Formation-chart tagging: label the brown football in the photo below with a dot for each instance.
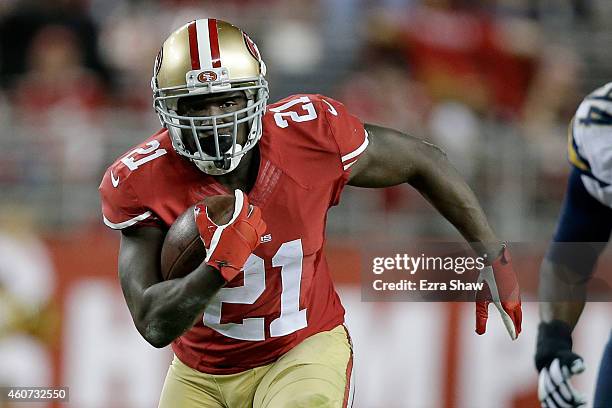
(183, 250)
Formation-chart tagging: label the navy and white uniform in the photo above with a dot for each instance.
(586, 215)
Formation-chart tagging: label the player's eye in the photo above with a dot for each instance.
(190, 108)
(227, 104)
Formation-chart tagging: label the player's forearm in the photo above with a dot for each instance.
(568, 312)
(394, 158)
(170, 308)
(562, 293)
(440, 183)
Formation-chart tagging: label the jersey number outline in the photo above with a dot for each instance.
(596, 116)
(280, 117)
(289, 257)
(151, 153)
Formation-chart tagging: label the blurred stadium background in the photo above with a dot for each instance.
(494, 83)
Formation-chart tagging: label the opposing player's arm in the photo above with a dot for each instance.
(582, 232)
(161, 310)
(394, 158)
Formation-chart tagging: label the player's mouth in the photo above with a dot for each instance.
(207, 142)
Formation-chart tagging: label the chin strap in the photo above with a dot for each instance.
(229, 164)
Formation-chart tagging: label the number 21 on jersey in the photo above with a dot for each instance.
(149, 153)
(281, 113)
(289, 257)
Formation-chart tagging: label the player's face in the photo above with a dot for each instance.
(212, 105)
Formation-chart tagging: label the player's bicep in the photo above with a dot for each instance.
(583, 218)
(392, 158)
(139, 263)
(583, 229)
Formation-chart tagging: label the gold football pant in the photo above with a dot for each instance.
(315, 373)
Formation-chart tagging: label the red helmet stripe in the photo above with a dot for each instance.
(214, 43)
(193, 45)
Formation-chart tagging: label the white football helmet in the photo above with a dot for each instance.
(209, 56)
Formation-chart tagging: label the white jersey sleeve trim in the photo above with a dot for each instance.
(346, 166)
(357, 151)
(127, 223)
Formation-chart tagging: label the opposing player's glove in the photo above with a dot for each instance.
(557, 363)
(229, 245)
(501, 288)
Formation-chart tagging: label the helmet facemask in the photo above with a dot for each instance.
(221, 152)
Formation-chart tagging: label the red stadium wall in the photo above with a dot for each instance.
(453, 365)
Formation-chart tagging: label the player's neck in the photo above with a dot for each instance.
(245, 175)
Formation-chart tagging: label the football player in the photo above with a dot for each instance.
(259, 322)
(586, 223)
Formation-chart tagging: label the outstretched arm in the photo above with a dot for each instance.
(394, 158)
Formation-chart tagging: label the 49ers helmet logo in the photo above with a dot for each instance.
(207, 76)
(158, 61)
(251, 46)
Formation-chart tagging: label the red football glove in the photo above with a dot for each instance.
(501, 288)
(228, 246)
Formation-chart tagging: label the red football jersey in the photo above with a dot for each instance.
(285, 292)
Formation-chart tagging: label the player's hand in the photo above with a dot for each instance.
(501, 288)
(229, 245)
(557, 364)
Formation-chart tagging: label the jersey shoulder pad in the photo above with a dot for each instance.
(596, 108)
(322, 121)
(121, 206)
(315, 139)
(347, 129)
(590, 140)
(140, 159)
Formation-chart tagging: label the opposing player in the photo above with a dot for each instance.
(259, 323)
(582, 233)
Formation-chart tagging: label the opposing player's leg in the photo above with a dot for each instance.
(316, 373)
(603, 391)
